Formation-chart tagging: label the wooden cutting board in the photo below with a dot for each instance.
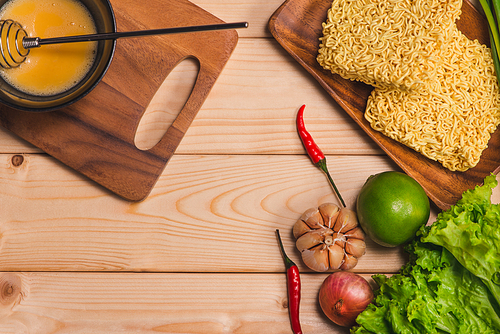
(297, 26)
(95, 136)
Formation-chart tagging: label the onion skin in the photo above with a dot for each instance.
(343, 296)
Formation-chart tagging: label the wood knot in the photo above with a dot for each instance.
(10, 288)
(284, 303)
(17, 160)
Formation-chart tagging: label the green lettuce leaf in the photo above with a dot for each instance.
(470, 230)
(433, 293)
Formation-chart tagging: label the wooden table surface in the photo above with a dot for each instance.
(199, 255)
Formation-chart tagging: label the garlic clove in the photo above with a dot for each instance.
(338, 239)
(335, 256)
(310, 239)
(312, 218)
(329, 212)
(355, 233)
(300, 228)
(346, 221)
(355, 247)
(316, 258)
(349, 262)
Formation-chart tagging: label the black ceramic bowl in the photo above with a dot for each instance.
(104, 18)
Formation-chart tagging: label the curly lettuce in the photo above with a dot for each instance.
(450, 284)
(470, 230)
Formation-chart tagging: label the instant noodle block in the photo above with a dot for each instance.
(435, 92)
(390, 43)
(450, 120)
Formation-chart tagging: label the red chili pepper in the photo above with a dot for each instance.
(314, 152)
(293, 284)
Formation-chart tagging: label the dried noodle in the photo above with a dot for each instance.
(435, 90)
(451, 119)
(386, 43)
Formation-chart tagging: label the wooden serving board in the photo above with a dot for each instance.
(297, 26)
(95, 136)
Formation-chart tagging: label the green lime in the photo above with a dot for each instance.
(391, 207)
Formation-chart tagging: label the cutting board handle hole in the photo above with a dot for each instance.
(167, 104)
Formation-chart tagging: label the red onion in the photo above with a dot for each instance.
(343, 296)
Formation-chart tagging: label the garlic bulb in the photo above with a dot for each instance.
(329, 238)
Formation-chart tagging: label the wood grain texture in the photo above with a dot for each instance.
(68, 303)
(206, 214)
(296, 25)
(256, 12)
(95, 136)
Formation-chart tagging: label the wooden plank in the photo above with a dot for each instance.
(207, 213)
(256, 12)
(66, 303)
(11, 143)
